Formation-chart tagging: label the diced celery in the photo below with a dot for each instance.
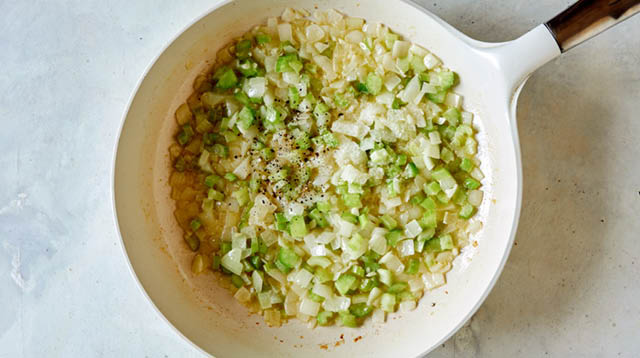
(388, 302)
(471, 183)
(437, 97)
(393, 237)
(211, 180)
(373, 83)
(388, 222)
(466, 211)
(294, 97)
(227, 79)
(413, 266)
(195, 224)
(368, 284)
(360, 309)
(344, 283)
(241, 195)
(263, 39)
(297, 226)
(352, 200)
(323, 275)
(319, 218)
(237, 281)
(452, 115)
(429, 219)
(215, 195)
(323, 206)
(287, 258)
(428, 203)
(324, 318)
(245, 117)
(349, 217)
(398, 287)
(281, 222)
(410, 171)
(192, 241)
(348, 320)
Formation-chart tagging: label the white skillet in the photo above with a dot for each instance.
(492, 75)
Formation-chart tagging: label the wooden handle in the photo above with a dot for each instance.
(587, 18)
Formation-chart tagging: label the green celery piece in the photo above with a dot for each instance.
(360, 309)
(373, 83)
(245, 117)
(428, 203)
(227, 79)
(324, 318)
(471, 183)
(369, 283)
(263, 39)
(241, 195)
(388, 302)
(323, 206)
(348, 320)
(303, 141)
(352, 200)
(452, 115)
(413, 266)
(215, 262)
(230, 177)
(467, 165)
(357, 270)
(215, 195)
(429, 219)
(294, 97)
(410, 171)
(281, 222)
(319, 218)
(297, 226)
(401, 159)
(242, 98)
(393, 237)
(447, 79)
(287, 257)
(237, 281)
(314, 297)
(192, 241)
(220, 150)
(211, 180)
(466, 211)
(388, 222)
(398, 287)
(195, 224)
(432, 188)
(344, 283)
(437, 97)
(349, 217)
(323, 275)
(389, 39)
(417, 199)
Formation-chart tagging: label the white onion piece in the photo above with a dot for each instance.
(309, 307)
(392, 262)
(284, 32)
(405, 248)
(475, 197)
(314, 33)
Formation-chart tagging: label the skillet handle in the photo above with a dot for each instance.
(587, 18)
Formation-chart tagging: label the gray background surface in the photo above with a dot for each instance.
(569, 289)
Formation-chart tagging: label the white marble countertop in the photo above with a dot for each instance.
(570, 287)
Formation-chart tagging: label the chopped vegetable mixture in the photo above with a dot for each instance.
(324, 167)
